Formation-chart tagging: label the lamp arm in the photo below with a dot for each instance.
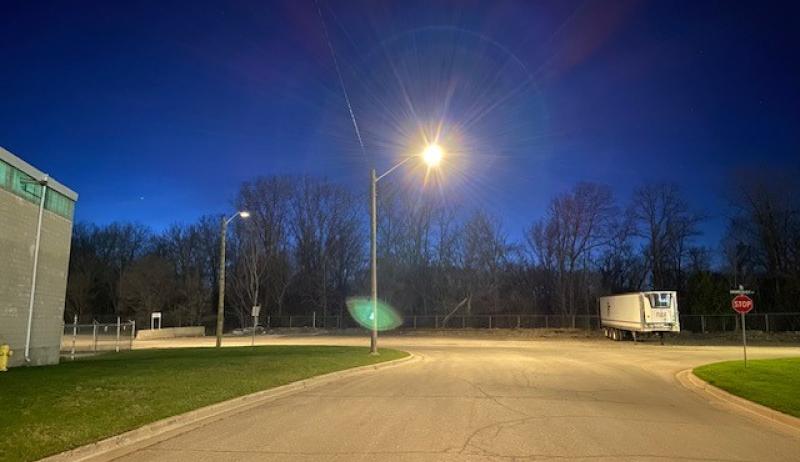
(229, 220)
(395, 167)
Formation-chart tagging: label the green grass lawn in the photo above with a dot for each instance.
(772, 382)
(46, 410)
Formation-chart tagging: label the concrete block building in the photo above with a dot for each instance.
(35, 234)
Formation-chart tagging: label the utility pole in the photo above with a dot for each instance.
(221, 299)
(221, 296)
(373, 344)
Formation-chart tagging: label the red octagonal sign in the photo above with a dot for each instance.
(742, 304)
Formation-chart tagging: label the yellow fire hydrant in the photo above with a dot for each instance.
(5, 353)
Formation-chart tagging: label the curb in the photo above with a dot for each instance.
(716, 395)
(124, 443)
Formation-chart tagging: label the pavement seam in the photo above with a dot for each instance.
(119, 445)
(740, 405)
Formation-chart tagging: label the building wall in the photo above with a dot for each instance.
(18, 220)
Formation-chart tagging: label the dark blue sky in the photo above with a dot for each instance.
(156, 111)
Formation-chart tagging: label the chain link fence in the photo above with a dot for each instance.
(79, 339)
(766, 322)
(701, 323)
(503, 321)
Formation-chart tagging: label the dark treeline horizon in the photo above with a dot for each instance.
(305, 249)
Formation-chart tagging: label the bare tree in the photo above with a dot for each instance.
(146, 286)
(85, 271)
(622, 269)
(327, 236)
(485, 258)
(763, 239)
(666, 223)
(566, 242)
(269, 201)
(189, 248)
(249, 271)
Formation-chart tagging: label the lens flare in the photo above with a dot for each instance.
(360, 309)
(463, 92)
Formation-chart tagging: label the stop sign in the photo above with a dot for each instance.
(742, 304)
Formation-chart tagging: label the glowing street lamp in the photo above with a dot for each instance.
(432, 156)
(221, 299)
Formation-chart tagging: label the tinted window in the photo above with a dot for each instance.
(25, 186)
(5, 170)
(662, 300)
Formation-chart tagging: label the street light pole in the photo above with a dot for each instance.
(373, 344)
(221, 299)
(432, 156)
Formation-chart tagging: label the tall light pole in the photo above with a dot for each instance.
(221, 300)
(432, 155)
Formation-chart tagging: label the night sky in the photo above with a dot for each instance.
(156, 111)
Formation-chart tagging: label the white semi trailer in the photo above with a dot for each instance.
(633, 314)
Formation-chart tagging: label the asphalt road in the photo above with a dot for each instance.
(481, 400)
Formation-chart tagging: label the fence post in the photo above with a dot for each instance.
(116, 343)
(133, 333)
(94, 335)
(766, 322)
(415, 321)
(490, 321)
(313, 319)
(268, 316)
(74, 336)
(518, 321)
(290, 321)
(436, 321)
(463, 322)
(573, 321)
(703, 323)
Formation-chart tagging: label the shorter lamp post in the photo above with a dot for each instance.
(221, 301)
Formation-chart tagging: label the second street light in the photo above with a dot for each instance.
(432, 156)
(221, 300)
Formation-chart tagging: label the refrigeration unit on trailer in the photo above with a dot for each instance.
(633, 314)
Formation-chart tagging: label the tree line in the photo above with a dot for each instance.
(305, 247)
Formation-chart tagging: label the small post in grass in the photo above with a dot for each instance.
(742, 304)
(744, 340)
(256, 312)
(74, 337)
(116, 344)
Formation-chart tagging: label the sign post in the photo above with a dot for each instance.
(256, 312)
(742, 304)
